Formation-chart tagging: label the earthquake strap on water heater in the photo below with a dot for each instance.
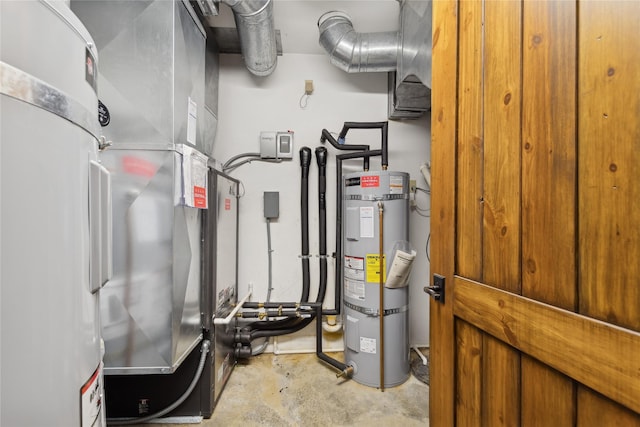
(381, 271)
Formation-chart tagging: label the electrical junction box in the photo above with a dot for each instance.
(276, 145)
(271, 204)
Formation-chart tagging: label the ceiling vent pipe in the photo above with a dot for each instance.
(256, 31)
(357, 52)
(405, 55)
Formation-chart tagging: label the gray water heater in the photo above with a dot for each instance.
(376, 213)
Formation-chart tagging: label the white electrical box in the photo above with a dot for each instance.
(276, 145)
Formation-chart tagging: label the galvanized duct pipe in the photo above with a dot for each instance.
(357, 52)
(256, 31)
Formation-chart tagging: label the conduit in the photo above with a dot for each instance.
(381, 273)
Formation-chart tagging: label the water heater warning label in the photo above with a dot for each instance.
(373, 268)
(367, 345)
(370, 181)
(354, 289)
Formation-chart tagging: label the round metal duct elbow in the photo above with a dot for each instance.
(257, 34)
(356, 52)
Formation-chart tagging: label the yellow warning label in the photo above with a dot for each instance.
(373, 268)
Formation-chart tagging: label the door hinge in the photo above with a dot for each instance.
(437, 290)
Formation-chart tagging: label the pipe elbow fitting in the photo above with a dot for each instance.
(355, 52)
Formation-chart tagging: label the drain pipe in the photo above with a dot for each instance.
(357, 52)
(256, 31)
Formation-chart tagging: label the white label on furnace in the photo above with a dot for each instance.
(367, 345)
(395, 184)
(192, 120)
(366, 221)
(354, 289)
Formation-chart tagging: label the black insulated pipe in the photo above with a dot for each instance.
(326, 136)
(295, 327)
(339, 257)
(383, 126)
(321, 159)
(286, 324)
(250, 304)
(345, 370)
(305, 163)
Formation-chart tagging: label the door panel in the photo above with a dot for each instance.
(443, 124)
(536, 213)
(501, 122)
(609, 162)
(549, 153)
(500, 383)
(468, 369)
(549, 396)
(470, 144)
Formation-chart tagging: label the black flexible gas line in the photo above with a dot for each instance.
(321, 158)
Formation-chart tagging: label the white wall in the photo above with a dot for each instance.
(248, 105)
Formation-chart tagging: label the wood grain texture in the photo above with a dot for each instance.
(470, 143)
(548, 397)
(502, 130)
(597, 354)
(468, 375)
(549, 179)
(500, 384)
(549, 173)
(443, 153)
(596, 410)
(609, 161)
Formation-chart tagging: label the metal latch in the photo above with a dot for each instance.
(437, 290)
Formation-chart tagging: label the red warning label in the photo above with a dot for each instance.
(227, 204)
(370, 181)
(136, 166)
(199, 197)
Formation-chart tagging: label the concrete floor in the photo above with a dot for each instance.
(298, 389)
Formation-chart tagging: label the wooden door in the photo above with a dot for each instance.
(536, 213)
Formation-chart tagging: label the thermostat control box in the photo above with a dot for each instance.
(276, 145)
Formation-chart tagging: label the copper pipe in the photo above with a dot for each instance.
(381, 310)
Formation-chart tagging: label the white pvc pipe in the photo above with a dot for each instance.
(424, 359)
(233, 313)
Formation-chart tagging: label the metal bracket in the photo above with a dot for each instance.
(437, 290)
